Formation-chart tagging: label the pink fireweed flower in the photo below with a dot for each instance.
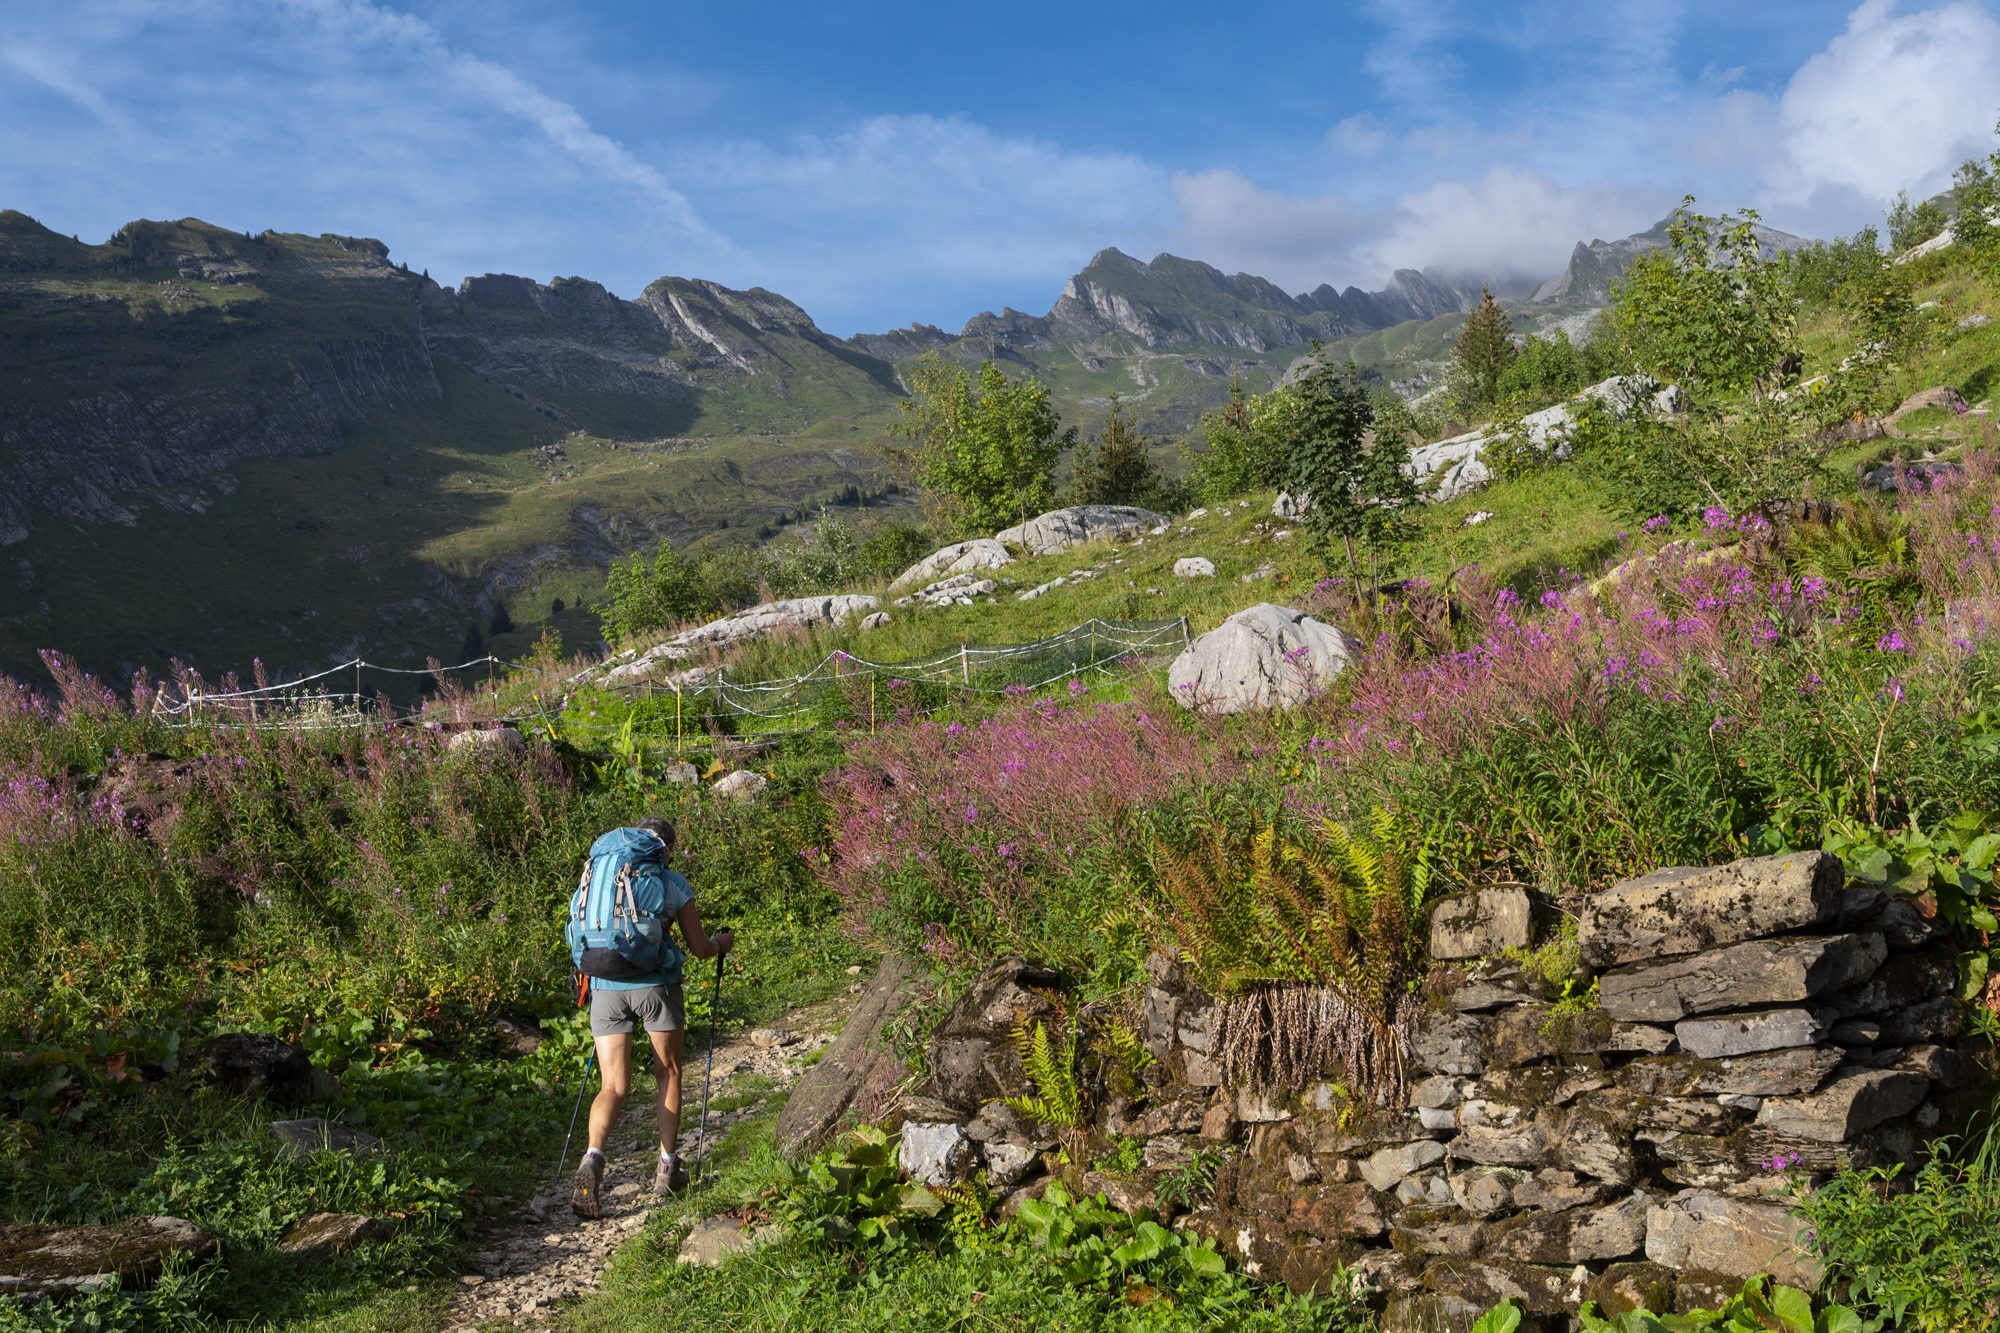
(1892, 642)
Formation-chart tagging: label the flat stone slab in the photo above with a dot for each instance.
(1737, 1238)
(715, 1239)
(38, 1261)
(296, 1138)
(1742, 976)
(1853, 1101)
(1723, 1036)
(1686, 910)
(317, 1238)
(1470, 925)
(825, 1092)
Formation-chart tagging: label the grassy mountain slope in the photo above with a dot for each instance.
(217, 446)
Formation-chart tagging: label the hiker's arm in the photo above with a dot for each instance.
(700, 943)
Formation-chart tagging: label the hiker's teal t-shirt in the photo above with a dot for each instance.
(663, 893)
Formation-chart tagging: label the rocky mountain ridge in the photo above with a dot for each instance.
(1117, 303)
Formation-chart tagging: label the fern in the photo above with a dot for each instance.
(1057, 1100)
(1311, 943)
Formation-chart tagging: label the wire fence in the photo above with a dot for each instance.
(693, 701)
(843, 686)
(312, 702)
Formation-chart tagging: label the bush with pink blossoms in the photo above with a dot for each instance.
(1016, 832)
(1701, 703)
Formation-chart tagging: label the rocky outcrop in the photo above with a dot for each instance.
(958, 590)
(656, 665)
(1060, 529)
(39, 1261)
(1449, 468)
(981, 553)
(1263, 657)
(1942, 396)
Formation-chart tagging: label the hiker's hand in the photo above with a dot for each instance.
(725, 940)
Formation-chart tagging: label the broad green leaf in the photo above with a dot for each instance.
(1145, 1246)
(1502, 1318)
(920, 1200)
(1794, 1308)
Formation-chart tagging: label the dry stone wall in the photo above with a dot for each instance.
(1546, 1151)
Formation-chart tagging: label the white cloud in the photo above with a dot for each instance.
(57, 74)
(1507, 221)
(1362, 135)
(358, 21)
(1894, 102)
(1297, 241)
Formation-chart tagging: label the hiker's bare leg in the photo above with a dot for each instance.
(667, 1075)
(614, 1065)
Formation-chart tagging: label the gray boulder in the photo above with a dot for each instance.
(251, 1064)
(741, 785)
(959, 558)
(1977, 320)
(1685, 910)
(39, 1261)
(972, 1057)
(505, 740)
(1263, 657)
(1939, 396)
(1060, 529)
(1194, 567)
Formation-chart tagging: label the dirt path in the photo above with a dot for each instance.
(545, 1256)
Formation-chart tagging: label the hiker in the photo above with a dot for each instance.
(630, 970)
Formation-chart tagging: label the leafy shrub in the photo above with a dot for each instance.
(1922, 1253)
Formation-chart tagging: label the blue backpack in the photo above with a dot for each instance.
(616, 929)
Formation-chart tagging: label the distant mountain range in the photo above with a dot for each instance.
(215, 444)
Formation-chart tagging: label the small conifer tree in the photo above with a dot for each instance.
(1484, 350)
(1116, 468)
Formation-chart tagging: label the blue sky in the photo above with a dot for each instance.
(883, 163)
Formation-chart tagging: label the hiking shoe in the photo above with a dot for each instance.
(670, 1178)
(583, 1199)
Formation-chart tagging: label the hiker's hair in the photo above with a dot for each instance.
(659, 828)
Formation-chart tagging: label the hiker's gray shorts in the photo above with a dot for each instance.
(620, 1012)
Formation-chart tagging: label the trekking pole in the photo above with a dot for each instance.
(708, 1075)
(576, 1110)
